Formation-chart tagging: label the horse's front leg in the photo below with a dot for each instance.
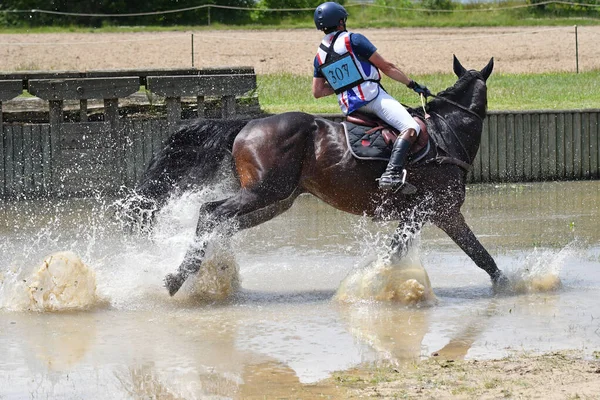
(410, 225)
(455, 226)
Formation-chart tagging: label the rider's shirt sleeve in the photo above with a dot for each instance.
(362, 46)
(317, 73)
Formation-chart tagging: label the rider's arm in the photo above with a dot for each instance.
(320, 88)
(389, 68)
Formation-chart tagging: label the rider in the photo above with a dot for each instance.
(355, 79)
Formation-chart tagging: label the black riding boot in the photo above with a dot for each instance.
(393, 177)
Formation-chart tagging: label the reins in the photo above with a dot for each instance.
(457, 105)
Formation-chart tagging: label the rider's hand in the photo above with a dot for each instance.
(418, 88)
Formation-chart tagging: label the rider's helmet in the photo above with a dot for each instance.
(328, 15)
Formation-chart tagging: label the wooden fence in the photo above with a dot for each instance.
(82, 159)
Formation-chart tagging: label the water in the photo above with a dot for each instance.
(284, 327)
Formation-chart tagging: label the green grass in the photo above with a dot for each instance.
(560, 91)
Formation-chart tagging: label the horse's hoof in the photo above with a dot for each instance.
(173, 283)
(501, 283)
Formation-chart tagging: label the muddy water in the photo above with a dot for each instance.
(283, 328)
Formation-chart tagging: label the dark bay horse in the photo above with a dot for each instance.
(277, 158)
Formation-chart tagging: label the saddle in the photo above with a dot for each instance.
(372, 139)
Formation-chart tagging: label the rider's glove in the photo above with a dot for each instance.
(420, 89)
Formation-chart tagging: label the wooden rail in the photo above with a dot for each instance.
(62, 158)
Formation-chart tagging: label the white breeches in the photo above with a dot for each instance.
(391, 111)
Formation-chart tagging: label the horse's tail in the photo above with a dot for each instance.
(191, 156)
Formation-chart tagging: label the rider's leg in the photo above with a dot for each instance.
(392, 178)
(393, 113)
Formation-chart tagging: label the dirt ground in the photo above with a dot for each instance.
(550, 377)
(416, 51)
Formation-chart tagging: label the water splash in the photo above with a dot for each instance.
(63, 282)
(539, 271)
(388, 275)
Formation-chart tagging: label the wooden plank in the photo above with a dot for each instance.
(129, 173)
(199, 85)
(9, 161)
(138, 149)
(9, 89)
(527, 151)
(595, 145)
(85, 135)
(36, 159)
(147, 142)
(84, 88)
(577, 151)
(552, 163)
(18, 160)
(493, 148)
(585, 145)
(201, 107)
(502, 148)
(510, 147)
(46, 159)
(535, 147)
(519, 136)
(484, 150)
(569, 157)
(173, 106)
(56, 119)
(88, 158)
(28, 156)
(2, 161)
(560, 146)
(227, 106)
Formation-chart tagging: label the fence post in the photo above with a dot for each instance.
(576, 50)
(192, 50)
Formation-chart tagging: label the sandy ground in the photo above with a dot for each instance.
(549, 377)
(515, 49)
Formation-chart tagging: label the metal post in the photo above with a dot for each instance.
(576, 50)
(192, 50)
(208, 8)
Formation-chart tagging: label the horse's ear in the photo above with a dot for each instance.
(487, 70)
(459, 70)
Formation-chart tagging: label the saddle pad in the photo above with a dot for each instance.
(366, 146)
(373, 146)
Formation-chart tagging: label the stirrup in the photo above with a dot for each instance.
(402, 186)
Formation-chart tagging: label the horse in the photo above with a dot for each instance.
(278, 157)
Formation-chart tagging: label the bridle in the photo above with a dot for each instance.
(457, 105)
(475, 74)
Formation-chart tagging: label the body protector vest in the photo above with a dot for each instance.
(355, 81)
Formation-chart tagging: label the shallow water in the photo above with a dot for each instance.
(284, 328)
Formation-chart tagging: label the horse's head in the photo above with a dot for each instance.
(469, 91)
(458, 112)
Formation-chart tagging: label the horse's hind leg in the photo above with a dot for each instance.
(458, 230)
(241, 211)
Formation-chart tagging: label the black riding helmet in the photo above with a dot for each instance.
(328, 15)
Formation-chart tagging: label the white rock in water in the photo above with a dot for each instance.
(63, 282)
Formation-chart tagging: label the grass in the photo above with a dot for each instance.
(560, 91)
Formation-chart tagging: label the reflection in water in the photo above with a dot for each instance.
(283, 329)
